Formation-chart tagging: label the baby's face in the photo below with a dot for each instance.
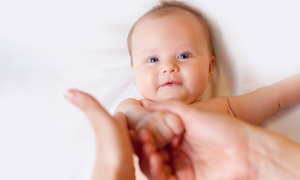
(171, 58)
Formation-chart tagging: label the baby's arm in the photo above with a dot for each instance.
(164, 126)
(257, 105)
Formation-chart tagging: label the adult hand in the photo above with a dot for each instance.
(219, 147)
(114, 150)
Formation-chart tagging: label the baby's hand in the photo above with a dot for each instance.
(165, 127)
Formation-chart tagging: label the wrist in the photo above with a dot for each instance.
(273, 156)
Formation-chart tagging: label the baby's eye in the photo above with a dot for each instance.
(152, 60)
(184, 56)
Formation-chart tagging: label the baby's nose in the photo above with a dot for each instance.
(170, 68)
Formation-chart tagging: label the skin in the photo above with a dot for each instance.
(232, 148)
(172, 62)
(210, 144)
(113, 152)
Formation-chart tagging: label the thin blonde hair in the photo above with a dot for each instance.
(166, 7)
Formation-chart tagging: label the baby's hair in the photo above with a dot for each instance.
(166, 7)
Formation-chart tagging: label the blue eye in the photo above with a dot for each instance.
(183, 56)
(152, 60)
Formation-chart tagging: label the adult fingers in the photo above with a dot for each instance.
(124, 135)
(192, 119)
(120, 118)
(122, 127)
(199, 124)
(96, 114)
(175, 107)
(113, 143)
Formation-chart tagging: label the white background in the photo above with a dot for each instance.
(49, 46)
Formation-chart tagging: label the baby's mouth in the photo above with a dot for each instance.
(171, 84)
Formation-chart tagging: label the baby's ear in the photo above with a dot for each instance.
(211, 66)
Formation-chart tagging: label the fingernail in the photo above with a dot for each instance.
(71, 96)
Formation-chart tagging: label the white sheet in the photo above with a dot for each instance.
(47, 47)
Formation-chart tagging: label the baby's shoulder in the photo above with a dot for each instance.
(129, 101)
(123, 105)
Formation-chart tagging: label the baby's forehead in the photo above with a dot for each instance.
(182, 15)
(193, 17)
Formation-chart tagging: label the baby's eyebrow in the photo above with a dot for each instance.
(187, 48)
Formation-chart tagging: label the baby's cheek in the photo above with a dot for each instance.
(147, 89)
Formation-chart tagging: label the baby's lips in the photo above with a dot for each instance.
(171, 83)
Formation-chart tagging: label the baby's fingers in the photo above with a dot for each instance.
(167, 127)
(174, 123)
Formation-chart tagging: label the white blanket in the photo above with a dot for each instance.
(49, 46)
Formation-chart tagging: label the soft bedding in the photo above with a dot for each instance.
(47, 47)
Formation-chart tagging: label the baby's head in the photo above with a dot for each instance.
(171, 52)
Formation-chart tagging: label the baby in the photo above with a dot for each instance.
(173, 57)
